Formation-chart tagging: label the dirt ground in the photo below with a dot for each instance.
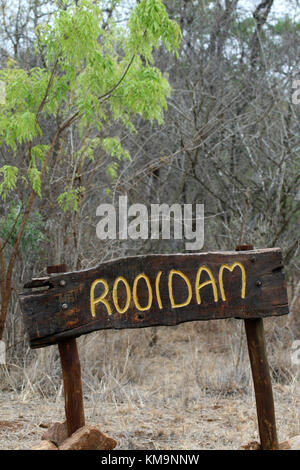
(224, 423)
(178, 393)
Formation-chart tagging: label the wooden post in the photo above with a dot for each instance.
(72, 384)
(261, 379)
(262, 384)
(71, 371)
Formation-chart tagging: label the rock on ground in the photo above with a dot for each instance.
(290, 444)
(88, 438)
(45, 445)
(57, 433)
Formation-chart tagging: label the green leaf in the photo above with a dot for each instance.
(34, 176)
(68, 200)
(8, 183)
(113, 147)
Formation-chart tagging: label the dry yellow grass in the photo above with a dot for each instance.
(185, 387)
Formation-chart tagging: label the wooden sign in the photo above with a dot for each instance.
(159, 290)
(153, 290)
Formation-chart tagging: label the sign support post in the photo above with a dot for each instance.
(261, 378)
(70, 364)
(262, 384)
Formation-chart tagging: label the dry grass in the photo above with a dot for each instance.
(185, 387)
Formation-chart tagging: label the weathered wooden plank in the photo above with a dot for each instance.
(153, 290)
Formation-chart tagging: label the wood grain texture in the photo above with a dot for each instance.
(261, 378)
(71, 370)
(62, 309)
(262, 384)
